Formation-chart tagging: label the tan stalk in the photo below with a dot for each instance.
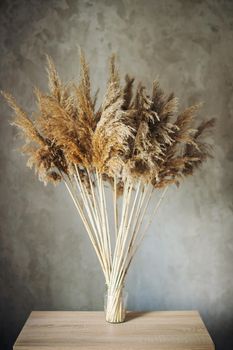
(145, 231)
(104, 224)
(138, 218)
(88, 229)
(87, 204)
(115, 206)
(91, 214)
(151, 219)
(96, 208)
(121, 229)
(107, 223)
(123, 252)
(121, 238)
(147, 198)
(122, 217)
(110, 301)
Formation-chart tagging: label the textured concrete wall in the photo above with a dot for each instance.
(186, 261)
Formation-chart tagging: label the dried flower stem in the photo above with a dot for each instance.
(94, 215)
(94, 220)
(115, 206)
(88, 228)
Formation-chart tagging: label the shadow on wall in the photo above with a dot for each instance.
(223, 336)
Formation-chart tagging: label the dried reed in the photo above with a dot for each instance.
(133, 144)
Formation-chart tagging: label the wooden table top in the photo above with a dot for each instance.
(79, 330)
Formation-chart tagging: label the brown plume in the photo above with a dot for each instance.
(133, 135)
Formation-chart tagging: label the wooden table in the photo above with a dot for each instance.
(71, 330)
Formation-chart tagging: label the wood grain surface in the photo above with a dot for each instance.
(69, 330)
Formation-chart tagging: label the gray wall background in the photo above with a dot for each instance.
(186, 261)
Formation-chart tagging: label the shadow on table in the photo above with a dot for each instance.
(135, 314)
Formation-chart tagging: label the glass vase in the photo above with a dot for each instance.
(115, 304)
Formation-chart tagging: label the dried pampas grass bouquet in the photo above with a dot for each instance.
(133, 145)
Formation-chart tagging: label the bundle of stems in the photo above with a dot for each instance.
(114, 250)
(133, 145)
